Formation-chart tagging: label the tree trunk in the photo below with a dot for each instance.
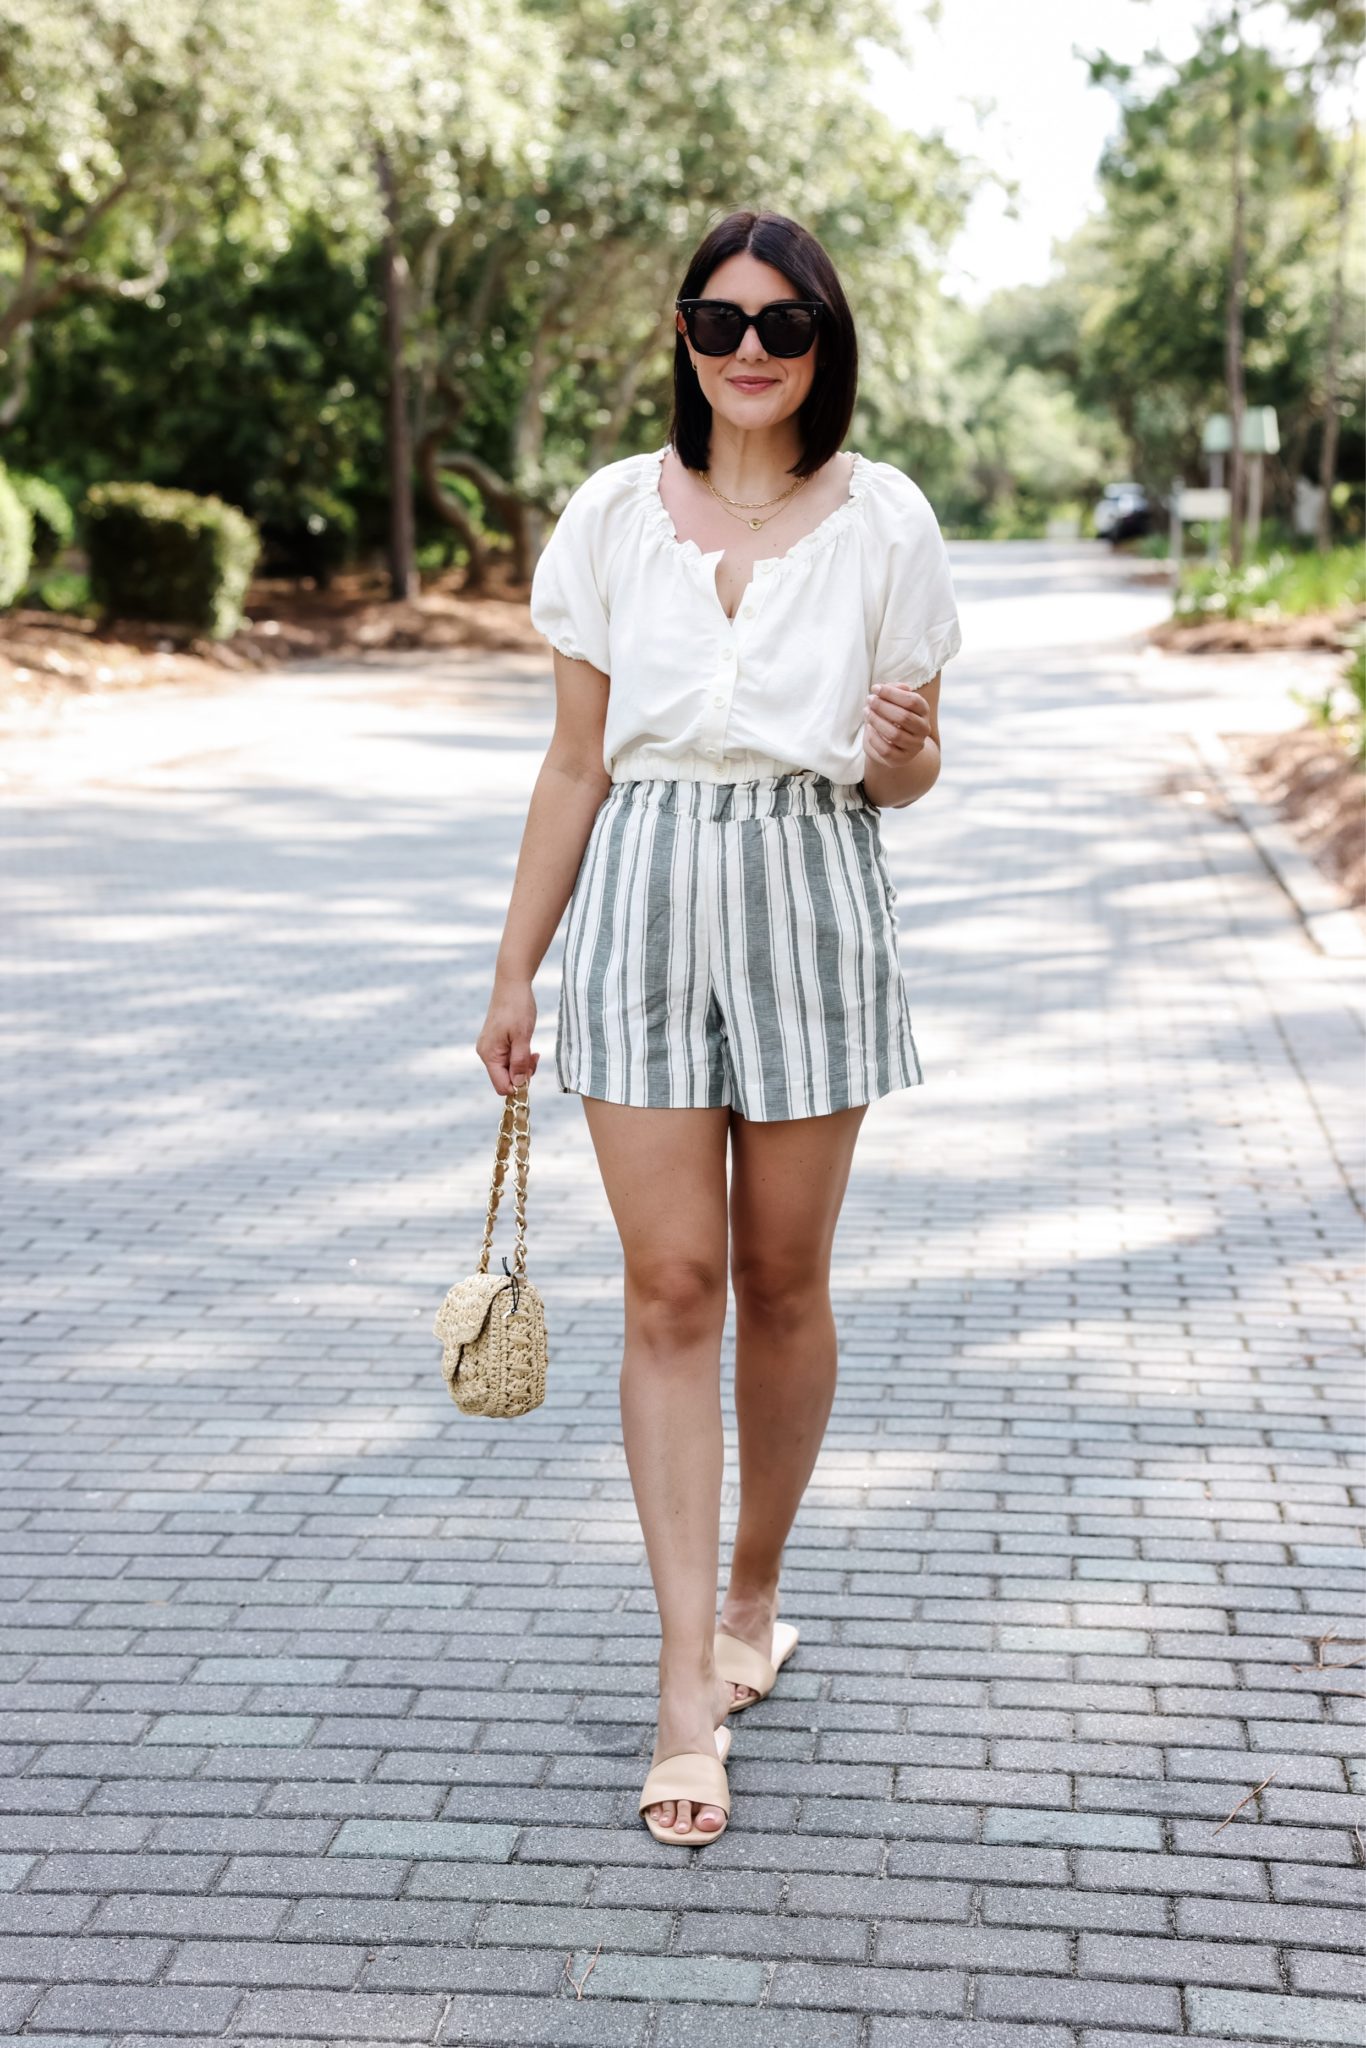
(1233, 324)
(506, 503)
(402, 561)
(1328, 452)
(528, 429)
(449, 508)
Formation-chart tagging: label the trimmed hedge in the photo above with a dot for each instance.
(168, 555)
(16, 542)
(54, 523)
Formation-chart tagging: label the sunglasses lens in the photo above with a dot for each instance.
(715, 329)
(788, 330)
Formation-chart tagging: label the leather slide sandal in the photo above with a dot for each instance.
(691, 1774)
(742, 1665)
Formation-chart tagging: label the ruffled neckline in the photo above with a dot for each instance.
(659, 519)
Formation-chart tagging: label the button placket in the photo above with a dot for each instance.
(727, 669)
(723, 684)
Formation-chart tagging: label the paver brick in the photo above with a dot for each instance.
(1074, 2001)
(881, 1898)
(58, 2040)
(550, 2023)
(886, 2031)
(1082, 1830)
(227, 1918)
(263, 1730)
(158, 2008)
(1107, 1870)
(573, 1926)
(485, 1968)
(969, 1860)
(1311, 1884)
(1258, 2017)
(261, 1963)
(329, 1876)
(1177, 1962)
(61, 1958)
(45, 1913)
(68, 1873)
(1274, 1844)
(683, 2026)
(971, 1948)
(1018, 1906)
(424, 1839)
(332, 2016)
(17, 2002)
(842, 1986)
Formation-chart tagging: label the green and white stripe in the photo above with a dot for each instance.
(734, 942)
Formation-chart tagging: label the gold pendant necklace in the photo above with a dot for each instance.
(753, 524)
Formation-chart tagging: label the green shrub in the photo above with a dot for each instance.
(54, 523)
(1283, 583)
(61, 590)
(16, 542)
(168, 555)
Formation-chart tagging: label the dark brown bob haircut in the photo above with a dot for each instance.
(828, 407)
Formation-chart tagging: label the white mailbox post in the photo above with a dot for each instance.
(1261, 437)
(1211, 505)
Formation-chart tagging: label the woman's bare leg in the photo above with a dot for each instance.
(787, 1184)
(664, 1171)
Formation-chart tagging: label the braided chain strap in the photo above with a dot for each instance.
(514, 1139)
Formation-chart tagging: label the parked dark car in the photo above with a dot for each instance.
(1123, 512)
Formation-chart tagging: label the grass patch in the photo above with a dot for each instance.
(1284, 585)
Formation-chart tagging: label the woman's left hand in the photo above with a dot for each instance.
(896, 723)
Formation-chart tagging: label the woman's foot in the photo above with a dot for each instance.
(750, 1616)
(682, 1726)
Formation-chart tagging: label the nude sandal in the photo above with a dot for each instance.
(741, 1665)
(690, 1774)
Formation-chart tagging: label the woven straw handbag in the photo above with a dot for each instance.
(492, 1326)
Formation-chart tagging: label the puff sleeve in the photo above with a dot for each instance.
(568, 588)
(919, 630)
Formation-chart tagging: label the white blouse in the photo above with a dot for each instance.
(866, 597)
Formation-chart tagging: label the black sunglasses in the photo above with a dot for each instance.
(785, 327)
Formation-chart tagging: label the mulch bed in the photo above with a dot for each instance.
(1308, 776)
(1250, 636)
(46, 655)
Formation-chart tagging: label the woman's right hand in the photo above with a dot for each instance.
(504, 1043)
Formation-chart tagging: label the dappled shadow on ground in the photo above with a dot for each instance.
(1085, 1483)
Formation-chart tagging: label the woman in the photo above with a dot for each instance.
(748, 627)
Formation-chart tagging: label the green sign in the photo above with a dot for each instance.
(1260, 433)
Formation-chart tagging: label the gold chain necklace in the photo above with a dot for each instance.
(753, 524)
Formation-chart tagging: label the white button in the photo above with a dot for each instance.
(729, 654)
(718, 699)
(747, 611)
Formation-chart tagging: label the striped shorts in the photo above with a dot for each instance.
(734, 943)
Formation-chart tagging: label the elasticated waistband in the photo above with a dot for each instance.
(802, 793)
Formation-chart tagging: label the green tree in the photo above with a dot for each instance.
(1218, 190)
(455, 97)
(566, 308)
(124, 127)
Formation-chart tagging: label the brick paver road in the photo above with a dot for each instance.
(327, 1708)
